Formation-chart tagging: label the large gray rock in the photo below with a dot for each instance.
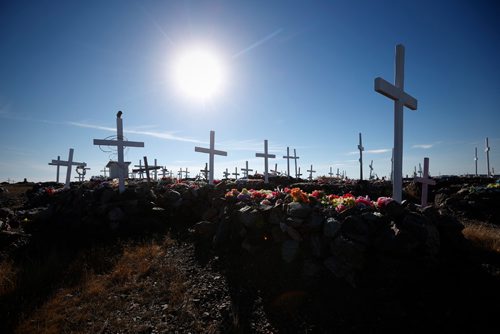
(250, 217)
(299, 210)
(331, 228)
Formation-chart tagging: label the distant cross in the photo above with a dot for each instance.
(140, 170)
(331, 173)
(295, 157)
(164, 171)
(299, 174)
(275, 170)
(266, 156)
(236, 173)
(155, 171)
(311, 171)
(338, 173)
(81, 170)
(419, 169)
(211, 154)
(371, 169)
(186, 172)
(120, 144)
(475, 160)
(70, 163)
(246, 169)
(401, 99)
(104, 171)
(146, 167)
(343, 174)
(205, 171)
(487, 150)
(361, 149)
(288, 157)
(226, 174)
(179, 173)
(414, 171)
(56, 163)
(426, 181)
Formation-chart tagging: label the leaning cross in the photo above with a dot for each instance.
(120, 144)
(246, 169)
(361, 149)
(401, 99)
(311, 171)
(288, 157)
(426, 181)
(68, 164)
(211, 154)
(58, 164)
(266, 156)
(371, 169)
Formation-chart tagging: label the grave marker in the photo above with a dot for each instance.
(426, 181)
(205, 171)
(140, 170)
(186, 173)
(211, 154)
(361, 149)
(56, 163)
(371, 170)
(266, 156)
(104, 170)
(120, 144)
(401, 99)
(288, 157)
(236, 173)
(246, 169)
(299, 174)
(275, 170)
(226, 174)
(419, 169)
(69, 163)
(311, 171)
(295, 157)
(81, 170)
(331, 173)
(475, 160)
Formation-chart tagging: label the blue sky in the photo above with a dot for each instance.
(300, 74)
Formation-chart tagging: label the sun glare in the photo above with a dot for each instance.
(199, 73)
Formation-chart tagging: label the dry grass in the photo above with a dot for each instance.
(8, 278)
(483, 236)
(142, 276)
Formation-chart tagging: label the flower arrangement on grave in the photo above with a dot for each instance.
(299, 196)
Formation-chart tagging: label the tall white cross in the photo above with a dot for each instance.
(266, 156)
(56, 163)
(211, 154)
(475, 160)
(246, 169)
(288, 157)
(311, 171)
(401, 99)
(120, 144)
(226, 174)
(487, 150)
(361, 149)
(371, 169)
(236, 173)
(70, 163)
(426, 181)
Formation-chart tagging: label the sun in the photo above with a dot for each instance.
(198, 73)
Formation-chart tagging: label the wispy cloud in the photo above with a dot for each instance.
(258, 43)
(162, 135)
(377, 151)
(423, 146)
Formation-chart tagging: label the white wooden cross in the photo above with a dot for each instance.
(288, 157)
(205, 171)
(401, 99)
(179, 173)
(475, 160)
(311, 171)
(246, 169)
(266, 156)
(361, 149)
(426, 181)
(164, 171)
(56, 163)
(299, 174)
(371, 169)
(487, 150)
(155, 170)
(226, 174)
(70, 163)
(211, 154)
(236, 173)
(120, 144)
(104, 170)
(186, 172)
(275, 170)
(338, 173)
(140, 170)
(331, 173)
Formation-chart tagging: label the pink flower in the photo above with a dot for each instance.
(383, 201)
(340, 208)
